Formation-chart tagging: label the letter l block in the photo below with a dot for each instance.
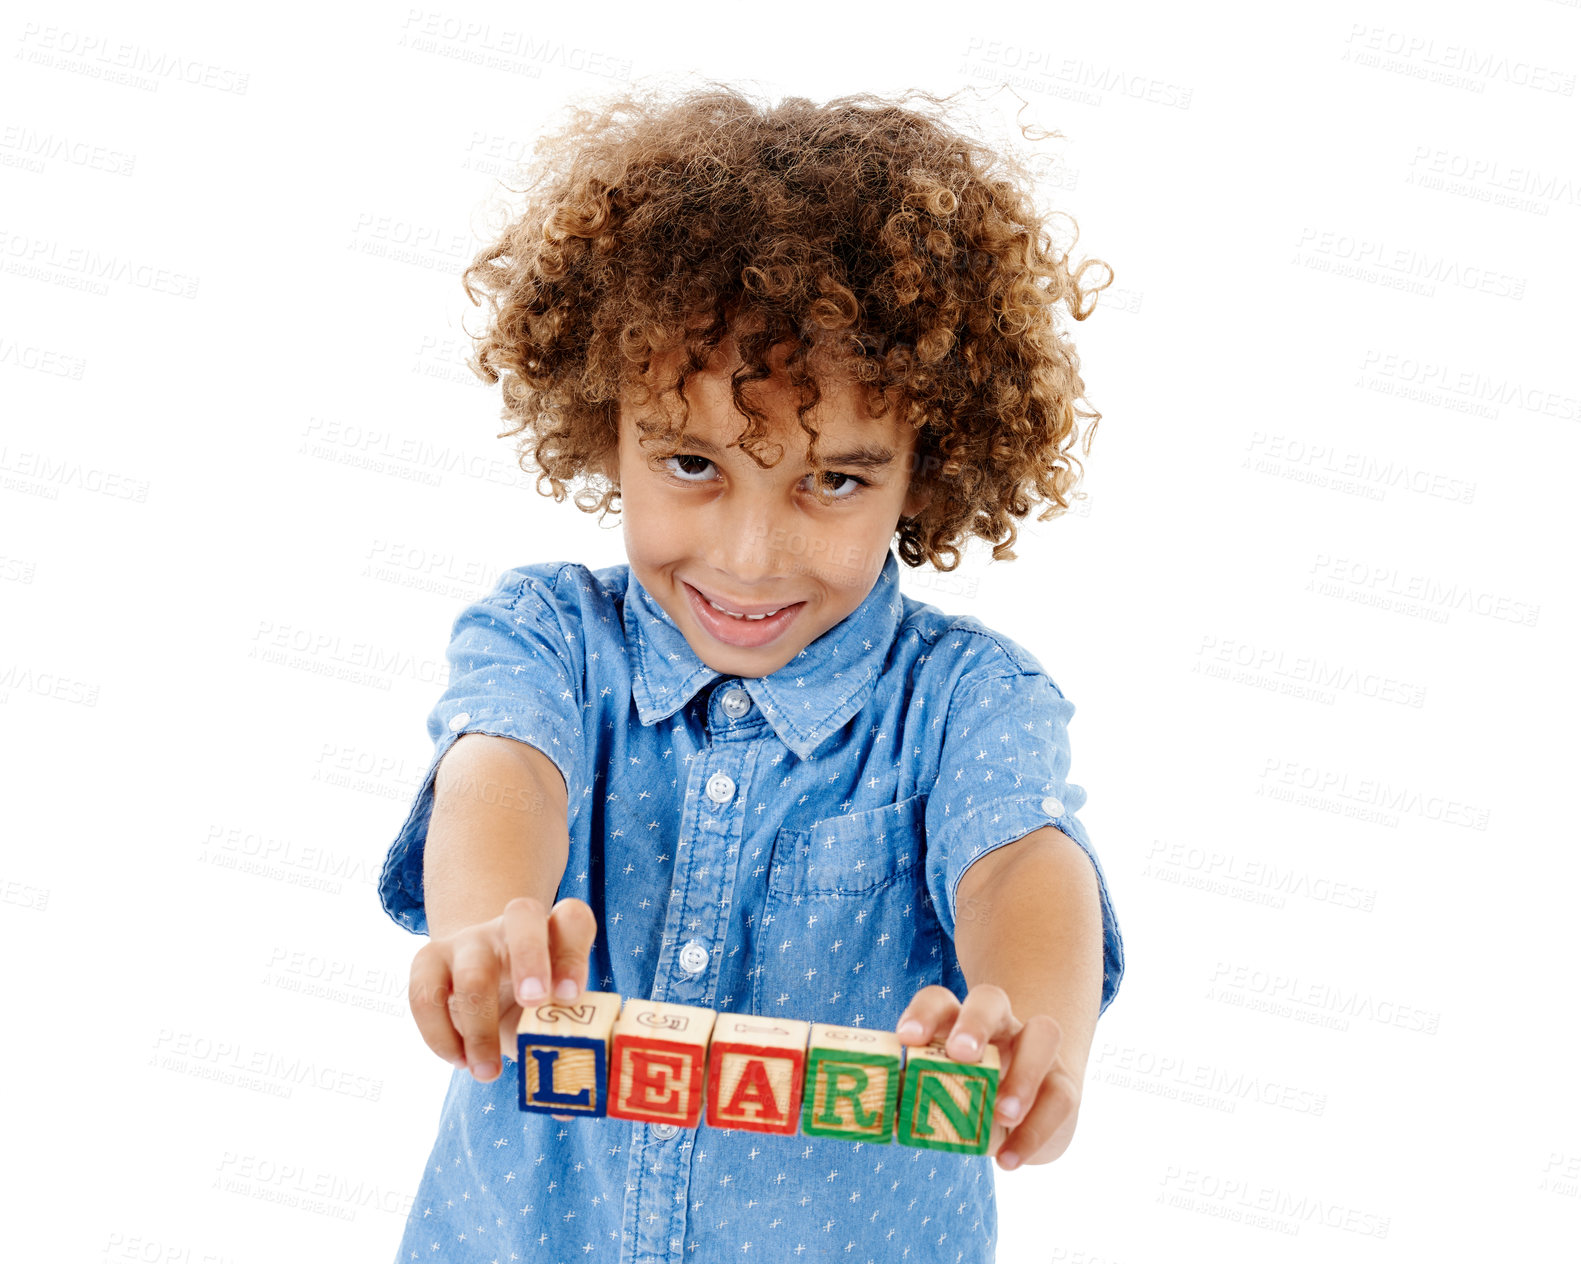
(562, 1054)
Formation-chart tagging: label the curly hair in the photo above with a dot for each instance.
(875, 240)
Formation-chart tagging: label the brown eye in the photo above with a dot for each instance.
(686, 456)
(852, 478)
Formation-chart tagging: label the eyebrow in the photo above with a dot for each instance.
(867, 456)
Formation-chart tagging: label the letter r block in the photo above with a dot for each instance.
(853, 1079)
(947, 1105)
(562, 1054)
(756, 1066)
(660, 1050)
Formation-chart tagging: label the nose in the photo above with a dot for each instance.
(743, 550)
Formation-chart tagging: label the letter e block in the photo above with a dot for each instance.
(660, 1051)
(756, 1066)
(853, 1079)
(562, 1052)
(947, 1105)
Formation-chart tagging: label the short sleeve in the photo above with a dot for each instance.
(1002, 775)
(511, 673)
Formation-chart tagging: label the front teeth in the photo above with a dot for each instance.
(733, 615)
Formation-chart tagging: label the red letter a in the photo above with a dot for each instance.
(753, 1086)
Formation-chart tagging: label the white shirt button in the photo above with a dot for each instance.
(459, 721)
(694, 956)
(736, 702)
(664, 1131)
(1053, 806)
(720, 788)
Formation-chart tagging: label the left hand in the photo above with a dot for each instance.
(1039, 1096)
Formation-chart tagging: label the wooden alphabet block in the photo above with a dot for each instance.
(756, 1067)
(853, 1078)
(660, 1062)
(562, 1052)
(947, 1105)
(660, 1050)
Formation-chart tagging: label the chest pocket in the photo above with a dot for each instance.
(847, 934)
(851, 854)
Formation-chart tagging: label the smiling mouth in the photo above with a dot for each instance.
(736, 614)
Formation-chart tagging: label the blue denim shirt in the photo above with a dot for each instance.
(788, 845)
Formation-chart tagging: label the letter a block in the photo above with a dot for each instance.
(756, 1067)
(562, 1050)
(947, 1105)
(853, 1077)
(660, 1050)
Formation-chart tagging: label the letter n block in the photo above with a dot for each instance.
(948, 1105)
(756, 1067)
(660, 1052)
(853, 1078)
(562, 1052)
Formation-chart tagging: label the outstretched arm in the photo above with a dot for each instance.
(1029, 937)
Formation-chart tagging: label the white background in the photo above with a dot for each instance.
(1318, 616)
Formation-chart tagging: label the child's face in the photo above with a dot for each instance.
(753, 539)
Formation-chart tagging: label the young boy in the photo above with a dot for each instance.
(744, 771)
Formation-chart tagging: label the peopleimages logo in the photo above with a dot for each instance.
(1365, 798)
(1222, 871)
(1265, 1206)
(1324, 1005)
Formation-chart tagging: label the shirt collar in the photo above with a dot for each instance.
(806, 700)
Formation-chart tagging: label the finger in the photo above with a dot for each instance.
(984, 1016)
(1053, 1114)
(930, 1010)
(474, 1003)
(510, 1020)
(572, 928)
(428, 994)
(1022, 1075)
(526, 929)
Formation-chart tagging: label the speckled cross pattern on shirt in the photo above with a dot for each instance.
(786, 845)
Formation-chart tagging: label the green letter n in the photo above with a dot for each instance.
(931, 1092)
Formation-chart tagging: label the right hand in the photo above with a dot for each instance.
(467, 989)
